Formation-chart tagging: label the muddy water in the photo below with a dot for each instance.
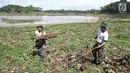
(44, 20)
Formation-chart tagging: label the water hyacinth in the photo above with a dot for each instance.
(63, 52)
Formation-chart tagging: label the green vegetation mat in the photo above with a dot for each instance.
(10, 21)
(16, 47)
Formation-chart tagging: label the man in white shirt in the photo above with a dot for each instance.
(40, 43)
(102, 39)
(39, 32)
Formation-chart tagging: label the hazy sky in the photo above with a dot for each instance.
(61, 4)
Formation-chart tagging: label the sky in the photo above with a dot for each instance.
(60, 4)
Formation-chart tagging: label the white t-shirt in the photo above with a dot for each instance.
(102, 36)
(40, 33)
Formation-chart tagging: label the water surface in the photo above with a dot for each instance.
(44, 20)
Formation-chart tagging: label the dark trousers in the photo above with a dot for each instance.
(98, 54)
(41, 46)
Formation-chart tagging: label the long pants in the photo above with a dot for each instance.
(41, 51)
(98, 54)
(41, 47)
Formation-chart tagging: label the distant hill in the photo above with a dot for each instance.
(19, 9)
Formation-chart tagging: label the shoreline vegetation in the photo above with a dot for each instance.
(11, 21)
(45, 14)
(100, 15)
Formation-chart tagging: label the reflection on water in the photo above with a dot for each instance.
(49, 19)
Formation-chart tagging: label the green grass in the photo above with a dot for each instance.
(17, 21)
(105, 15)
(19, 46)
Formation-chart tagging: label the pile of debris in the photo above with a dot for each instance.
(120, 65)
(78, 61)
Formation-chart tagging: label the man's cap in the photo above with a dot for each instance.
(40, 26)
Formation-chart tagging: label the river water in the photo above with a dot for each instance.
(45, 20)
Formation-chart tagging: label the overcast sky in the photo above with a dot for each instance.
(61, 4)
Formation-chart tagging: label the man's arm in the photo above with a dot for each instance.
(101, 44)
(52, 35)
(46, 37)
(41, 37)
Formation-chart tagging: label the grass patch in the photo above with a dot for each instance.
(15, 54)
(10, 21)
(126, 15)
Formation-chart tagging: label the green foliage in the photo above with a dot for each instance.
(123, 0)
(77, 37)
(19, 9)
(30, 9)
(12, 8)
(93, 11)
(17, 21)
(113, 8)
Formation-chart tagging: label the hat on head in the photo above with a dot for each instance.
(40, 26)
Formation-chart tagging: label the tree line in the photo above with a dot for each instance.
(30, 8)
(113, 7)
(110, 8)
(19, 9)
(73, 11)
